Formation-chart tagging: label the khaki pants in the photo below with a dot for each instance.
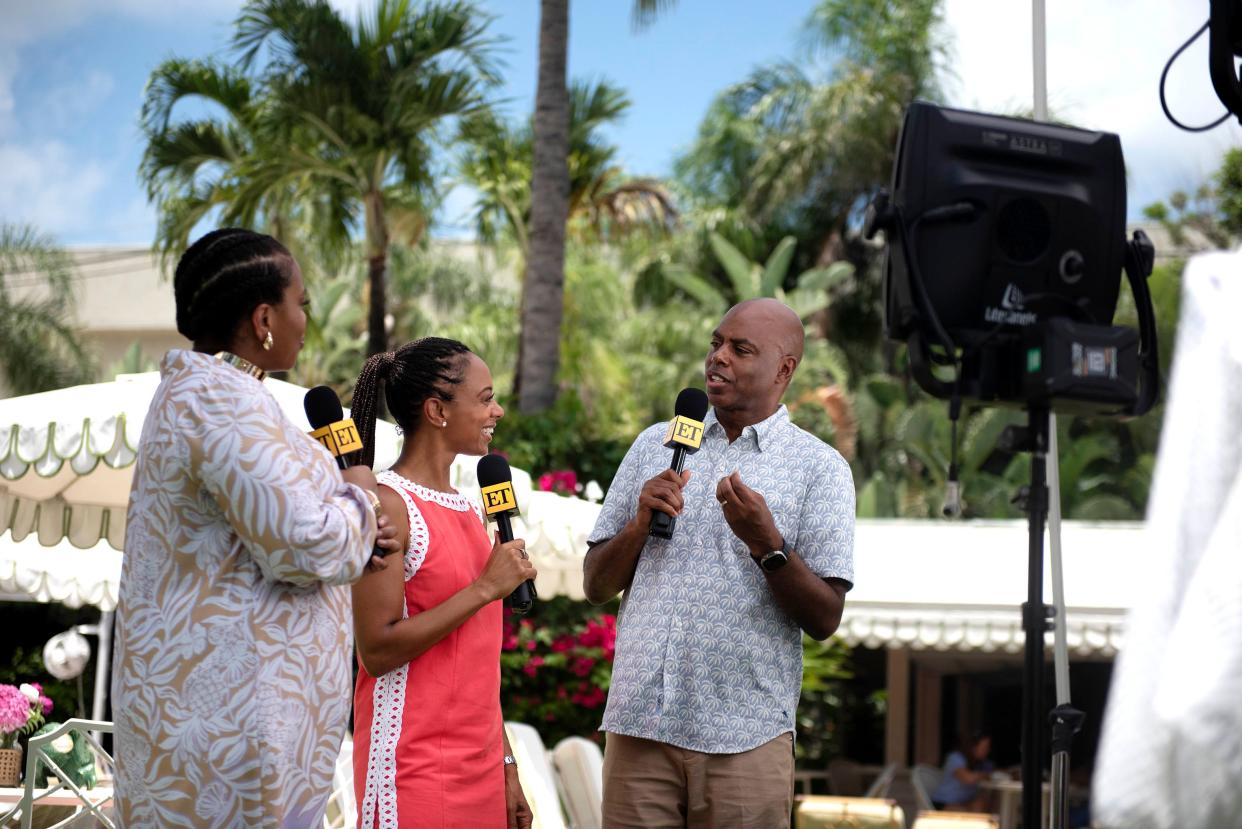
(651, 785)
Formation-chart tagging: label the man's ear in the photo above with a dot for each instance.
(785, 371)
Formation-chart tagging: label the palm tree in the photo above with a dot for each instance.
(603, 201)
(195, 167)
(335, 133)
(544, 286)
(39, 349)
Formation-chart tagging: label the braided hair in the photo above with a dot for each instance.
(223, 277)
(424, 368)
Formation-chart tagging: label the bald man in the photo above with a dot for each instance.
(708, 668)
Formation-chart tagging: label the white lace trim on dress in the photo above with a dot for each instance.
(452, 500)
(420, 538)
(379, 798)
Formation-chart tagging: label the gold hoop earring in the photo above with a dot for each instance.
(267, 342)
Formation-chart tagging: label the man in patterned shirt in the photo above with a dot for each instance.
(708, 669)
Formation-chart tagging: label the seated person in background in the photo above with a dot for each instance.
(964, 770)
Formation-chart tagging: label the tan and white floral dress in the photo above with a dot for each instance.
(231, 686)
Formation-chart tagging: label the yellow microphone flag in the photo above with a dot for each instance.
(339, 438)
(684, 431)
(499, 498)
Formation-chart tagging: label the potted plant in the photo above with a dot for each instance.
(22, 709)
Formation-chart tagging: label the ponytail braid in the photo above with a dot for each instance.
(366, 403)
(424, 368)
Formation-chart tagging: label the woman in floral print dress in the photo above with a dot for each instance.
(231, 685)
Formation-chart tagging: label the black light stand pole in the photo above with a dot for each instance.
(1034, 620)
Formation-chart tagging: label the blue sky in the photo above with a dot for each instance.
(72, 74)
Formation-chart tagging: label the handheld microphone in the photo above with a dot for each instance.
(334, 431)
(499, 502)
(329, 425)
(685, 434)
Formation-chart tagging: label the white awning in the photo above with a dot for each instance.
(959, 586)
(66, 456)
(62, 573)
(74, 577)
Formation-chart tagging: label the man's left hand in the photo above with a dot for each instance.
(748, 516)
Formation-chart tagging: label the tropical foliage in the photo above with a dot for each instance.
(604, 202)
(39, 347)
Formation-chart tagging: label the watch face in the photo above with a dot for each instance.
(774, 560)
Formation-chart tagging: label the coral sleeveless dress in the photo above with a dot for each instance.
(428, 744)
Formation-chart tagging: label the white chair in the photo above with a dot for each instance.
(879, 786)
(95, 803)
(925, 780)
(342, 811)
(536, 775)
(580, 768)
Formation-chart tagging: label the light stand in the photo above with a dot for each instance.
(1033, 498)
(1066, 721)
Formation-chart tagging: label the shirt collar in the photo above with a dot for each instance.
(761, 432)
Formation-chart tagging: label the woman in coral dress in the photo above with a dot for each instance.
(429, 743)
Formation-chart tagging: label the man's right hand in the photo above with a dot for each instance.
(662, 494)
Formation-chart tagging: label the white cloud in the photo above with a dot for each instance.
(8, 69)
(1104, 60)
(26, 20)
(52, 188)
(131, 223)
(65, 107)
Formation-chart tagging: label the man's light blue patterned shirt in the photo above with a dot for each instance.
(706, 659)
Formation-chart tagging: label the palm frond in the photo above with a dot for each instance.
(645, 12)
(29, 255)
(777, 267)
(743, 274)
(703, 292)
(177, 79)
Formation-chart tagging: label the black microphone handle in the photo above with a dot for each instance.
(662, 524)
(523, 596)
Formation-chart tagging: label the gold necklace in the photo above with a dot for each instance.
(241, 364)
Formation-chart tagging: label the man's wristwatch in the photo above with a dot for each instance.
(776, 559)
